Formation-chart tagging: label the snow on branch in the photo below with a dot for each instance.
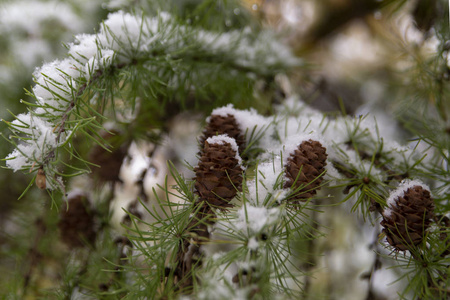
(123, 40)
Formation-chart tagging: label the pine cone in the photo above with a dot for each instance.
(408, 218)
(218, 175)
(305, 168)
(109, 162)
(76, 224)
(218, 125)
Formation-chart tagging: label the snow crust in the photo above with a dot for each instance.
(267, 184)
(218, 284)
(291, 144)
(253, 219)
(225, 139)
(247, 120)
(399, 191)
(43, 139)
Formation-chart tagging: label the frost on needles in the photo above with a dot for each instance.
(156, 43)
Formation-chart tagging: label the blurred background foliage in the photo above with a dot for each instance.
(388, 58)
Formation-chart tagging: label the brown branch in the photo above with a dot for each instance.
(61, 126)
(188, 256)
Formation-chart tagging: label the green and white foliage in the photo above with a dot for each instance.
(152, 52)
(33, 31)
(250, 249)
(147, 81)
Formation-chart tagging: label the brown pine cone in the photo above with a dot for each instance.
(408, 218)
(110, 162)
(304, 170)
(218, 178)
(218, 125)
(218, 175)
(76, 224)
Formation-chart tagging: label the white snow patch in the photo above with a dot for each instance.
(75, 193)
(247, 120)
(55, 78)
(84, 47)
(254, 219)
(16, 160)
(43, 138)
(294, 141)
(253, 243)
(225, 139)
(223, 111)
(267, 182)
(133, 168)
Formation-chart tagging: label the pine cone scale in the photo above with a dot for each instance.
(304, 169)
(409, 218)
(218, 174)
(219, 125)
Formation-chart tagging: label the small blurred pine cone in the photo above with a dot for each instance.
(304, 170)
(110, 162)
(218, 125)
(408, 218)
(218, 176)
(76, 224)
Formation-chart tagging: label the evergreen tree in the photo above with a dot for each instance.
(224, 149)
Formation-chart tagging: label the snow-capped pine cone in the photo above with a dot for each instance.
(218, 125)
(304, 170)
(218, 176)
(110, 162)
(76, 225)
(408, 218)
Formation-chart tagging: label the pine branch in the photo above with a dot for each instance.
(156, 44)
